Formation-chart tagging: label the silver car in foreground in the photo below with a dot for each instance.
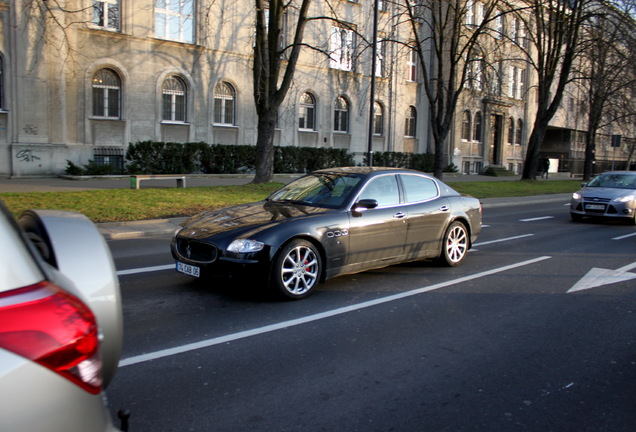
(60, 323)
(609, 195)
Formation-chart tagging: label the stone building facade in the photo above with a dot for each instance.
(81, 79)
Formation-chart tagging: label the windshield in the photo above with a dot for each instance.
(320, 190)
(620, 181)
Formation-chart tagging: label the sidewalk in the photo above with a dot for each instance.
(136, 229)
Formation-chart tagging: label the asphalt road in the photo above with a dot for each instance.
(497, 344)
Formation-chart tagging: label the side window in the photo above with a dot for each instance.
(106, 94)
(307, 117)
(174, 20)
(341, 115)
(383, 189)
(174, 99)
(418, 188)
(106, 14)
(224, 103)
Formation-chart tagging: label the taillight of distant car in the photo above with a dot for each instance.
(55, 329)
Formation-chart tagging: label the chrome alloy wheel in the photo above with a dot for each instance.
(298, 269)
(455, 244)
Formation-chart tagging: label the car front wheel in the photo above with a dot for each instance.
(455, 245)
(296, 269)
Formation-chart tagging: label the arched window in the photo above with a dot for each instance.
(519, 132)
(2, 107)
(511, 131)
(106, 94)
(307, 114)
(477, 127)
(341, 115)
(410, 123)
(224, 103)
(174, 99)
(378, 119)
(466, 126)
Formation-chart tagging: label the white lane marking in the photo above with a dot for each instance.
(503, 240)
(625, 236)
(145, 270)
(597, 277)
(304, 320)
(536, 219)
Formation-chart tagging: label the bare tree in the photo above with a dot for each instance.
(448, 37)
(607, 75)
(555, 36)
(271, 59)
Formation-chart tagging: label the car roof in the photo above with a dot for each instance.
(367, 170)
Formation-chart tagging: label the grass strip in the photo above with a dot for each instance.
(119, 205)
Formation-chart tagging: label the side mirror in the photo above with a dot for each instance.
(583, 184)
(365, 204)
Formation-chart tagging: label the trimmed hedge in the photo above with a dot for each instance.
(151, 157)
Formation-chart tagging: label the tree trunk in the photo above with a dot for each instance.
(265, 147)
(534, 148)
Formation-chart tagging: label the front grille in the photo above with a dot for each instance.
(194, 250)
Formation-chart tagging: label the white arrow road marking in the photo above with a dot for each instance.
(599, 277)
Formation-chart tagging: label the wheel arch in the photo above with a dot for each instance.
(314, 241)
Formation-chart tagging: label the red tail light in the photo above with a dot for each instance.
(55, 329)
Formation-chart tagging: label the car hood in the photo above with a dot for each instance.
(607, 193)
(246, 217)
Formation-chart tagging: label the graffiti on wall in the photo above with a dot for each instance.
(26, 155)
(29, 129)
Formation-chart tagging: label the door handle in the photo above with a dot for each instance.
(399, 215)
(444, 208)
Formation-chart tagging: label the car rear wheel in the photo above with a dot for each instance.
(296, 269)
(455, 245)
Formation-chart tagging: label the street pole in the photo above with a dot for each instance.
(374, 51)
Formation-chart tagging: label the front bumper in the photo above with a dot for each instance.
(605, 209)
(209, 261)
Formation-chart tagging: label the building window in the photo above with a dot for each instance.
(2, 107)
(470, 12)
(516, 78)
(307, 117)
(410, 124)
(341, 46)
(224, 103)
(378, 119)
(477, 128)
(379, 60)
(519, 132)
(174, 99)
(511, 131)
(411, 63)
(174, 20)
(106, 94)
(341, 115)
(466, 126)
(107, 14)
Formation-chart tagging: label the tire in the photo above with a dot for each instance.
(296, 270)
(576, 217)
(454, 245)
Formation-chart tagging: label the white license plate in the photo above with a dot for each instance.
(188, 269)
(594, 207)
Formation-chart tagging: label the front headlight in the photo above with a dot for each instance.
(576, 196)
(624, 199)
(245, 246)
